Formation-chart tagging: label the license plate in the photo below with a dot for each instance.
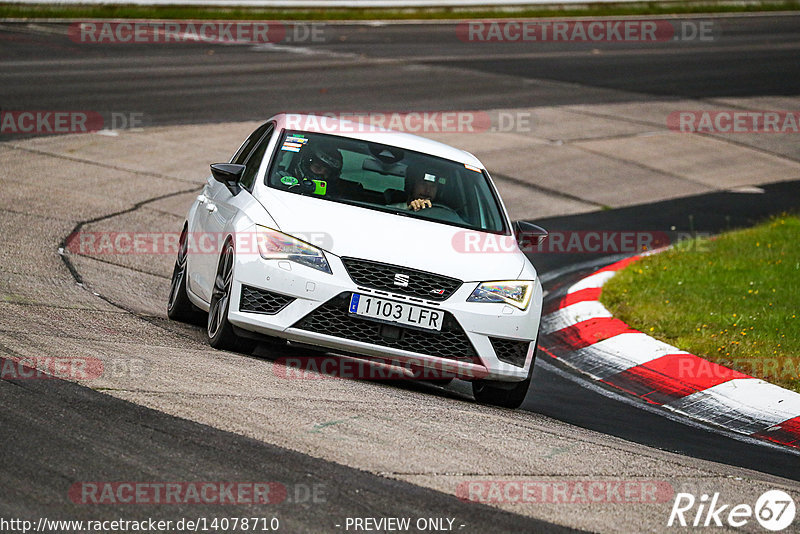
(396, 312)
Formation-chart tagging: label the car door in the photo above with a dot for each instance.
(218, 205)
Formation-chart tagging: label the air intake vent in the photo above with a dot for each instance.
(402, 280)
(256, 300)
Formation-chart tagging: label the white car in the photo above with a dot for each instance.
(350, 239)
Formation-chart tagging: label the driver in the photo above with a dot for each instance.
(421, 188)
(318, 161)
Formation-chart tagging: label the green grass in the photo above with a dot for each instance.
(235, 13)
(734, 300)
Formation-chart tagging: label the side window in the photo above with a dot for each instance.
(253, 162)
(247, 147)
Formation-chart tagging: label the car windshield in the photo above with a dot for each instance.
(385, 178)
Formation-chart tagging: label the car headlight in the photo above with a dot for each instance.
(275, 245)
(515, 292)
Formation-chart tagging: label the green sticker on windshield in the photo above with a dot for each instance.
(289, 180)
(321, 188)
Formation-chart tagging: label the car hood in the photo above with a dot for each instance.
(357, 232)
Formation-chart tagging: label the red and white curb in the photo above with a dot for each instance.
(584, 335)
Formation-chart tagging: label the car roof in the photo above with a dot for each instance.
(326, 124)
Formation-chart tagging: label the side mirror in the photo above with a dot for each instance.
(529, 235)
(228, 174)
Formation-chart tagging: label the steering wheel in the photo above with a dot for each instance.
(442, 211)
(442, 206)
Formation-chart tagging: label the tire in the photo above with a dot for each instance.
(219, 331)
(179, 307)
(504, 394)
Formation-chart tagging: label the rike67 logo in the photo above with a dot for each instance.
(774, 510)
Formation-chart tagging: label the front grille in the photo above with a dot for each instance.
(510, 350)
(381, 276)
(262, 301)
(333, 319)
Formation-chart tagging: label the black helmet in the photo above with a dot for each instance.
(319, 154)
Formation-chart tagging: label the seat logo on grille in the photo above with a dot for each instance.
(401, 280)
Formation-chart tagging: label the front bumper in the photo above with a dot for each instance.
(291, 301)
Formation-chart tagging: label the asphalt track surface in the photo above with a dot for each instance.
(197, 83)
(99, 437)
(397, 67)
